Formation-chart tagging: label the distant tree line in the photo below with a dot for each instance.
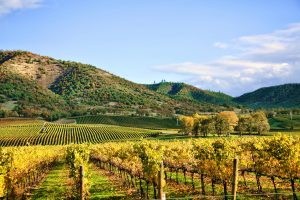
(224, 123)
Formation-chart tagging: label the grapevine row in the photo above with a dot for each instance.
(128, 121)
(276, 157)
(57, 134)
(24, 167)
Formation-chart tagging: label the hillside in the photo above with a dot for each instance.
(285, 96)
(33, 85)
(184, 91)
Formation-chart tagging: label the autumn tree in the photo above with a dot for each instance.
(261, 123)
(187, 124)
(208, 126)
(222, 125)
(197, 123)
(231, 118)
(244, 124)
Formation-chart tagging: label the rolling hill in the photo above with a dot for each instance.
(184, 91)
(281, 96)
(33, 85)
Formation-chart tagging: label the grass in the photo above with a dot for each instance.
(284, 122)
(102, 187)
(290, 133)
(55, 185)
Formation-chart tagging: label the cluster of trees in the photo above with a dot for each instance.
(224, 123)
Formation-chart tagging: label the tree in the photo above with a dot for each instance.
(3, 113)
(261, 123)
(231, 118)
(197, 123)
(222, 125)
(208, 126)
(187, 124)
(243, 124)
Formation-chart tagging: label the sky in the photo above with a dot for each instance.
(232, 46)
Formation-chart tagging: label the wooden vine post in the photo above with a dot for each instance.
(81, 178)
(162, 195)
(235, 177)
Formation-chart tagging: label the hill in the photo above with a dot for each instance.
(281, 96)
(182, 91)
(33, 85)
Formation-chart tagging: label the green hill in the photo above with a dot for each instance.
(182, 91)
(33, 85)
(281, 96)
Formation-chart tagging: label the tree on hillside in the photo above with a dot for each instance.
(261, 123)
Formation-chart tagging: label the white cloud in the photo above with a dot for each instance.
(262, 60)
(220, 45)
(7, 6)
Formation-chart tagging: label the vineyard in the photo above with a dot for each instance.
(195, 168)
(267, 165)
(19, 121)
(141, 122)
(62, 134)
(284, 122)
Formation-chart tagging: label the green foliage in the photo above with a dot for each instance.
(76, 156)
(129, 121)
(183, 91)
(62, 134)
(208, 126)
(284, 122)
(151, 155)
(222, 125)
(80, 89)
(282, 96)
(31, 98)
(5, 165)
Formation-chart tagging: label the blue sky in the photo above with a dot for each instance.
(231, 46)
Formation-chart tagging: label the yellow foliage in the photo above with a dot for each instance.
(231, 118)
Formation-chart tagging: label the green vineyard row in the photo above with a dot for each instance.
(62, 134)
(141, 122)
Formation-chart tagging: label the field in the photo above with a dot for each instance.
(283, 122)
(140, 122)
(20, 133)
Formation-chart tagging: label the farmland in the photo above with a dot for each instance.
(197, 168)
(284, 122)
(119, 163)
(141, 122)
(39, 133)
